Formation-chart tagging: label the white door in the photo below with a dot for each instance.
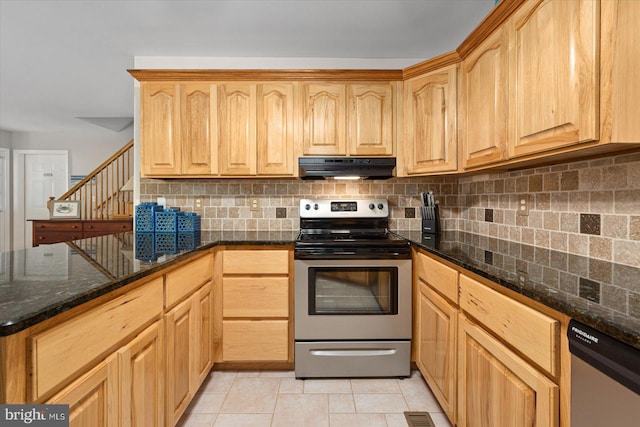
(5, 229)
(39, 174)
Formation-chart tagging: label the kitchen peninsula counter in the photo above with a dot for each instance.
(47, 280)
(598, 293)
(50, 279)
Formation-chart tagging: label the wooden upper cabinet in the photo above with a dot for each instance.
(430, 123)
(371, 119)
(620, 71)
(324, 119)
(553, 75)
(237, 127)
(198, 129)
(275, 129)
(483, 102)
(160, 129)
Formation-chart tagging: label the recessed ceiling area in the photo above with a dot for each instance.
(67, 59)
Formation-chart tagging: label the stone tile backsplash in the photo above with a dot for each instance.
(587, 208)
(227, 202)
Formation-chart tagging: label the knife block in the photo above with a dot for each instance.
(432, 226)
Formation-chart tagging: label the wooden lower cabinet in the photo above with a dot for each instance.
(436, 359)
(142, 379)
(93, 398)
(189, 351)
(204, 333)
(498, 388)
(254, 316)
(180, 326)
(255, 340)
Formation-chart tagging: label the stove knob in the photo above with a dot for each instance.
(315, 206)
(372, 206)
(380, 206)
(307, 206)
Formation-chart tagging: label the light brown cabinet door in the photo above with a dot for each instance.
(553, 75)
(620, 71)
(204, 334)
(142, 379)
(498, 388)
(237, 128)
(430, 123)
(483, 106)
(324, 119)
(160, 129)
(93, 398)
(275, 129)
(437, 347)
(198, 129)
(370, 119)
(180, 333)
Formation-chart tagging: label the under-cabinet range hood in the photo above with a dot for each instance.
(346, 167)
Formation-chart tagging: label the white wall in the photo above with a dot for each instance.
(87, 150)
(5, 139)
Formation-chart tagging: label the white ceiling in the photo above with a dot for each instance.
(64, 59)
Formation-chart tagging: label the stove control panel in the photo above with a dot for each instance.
(344, 208)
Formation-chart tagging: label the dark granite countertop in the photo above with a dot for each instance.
(47, 280)
(595, 292)
(44, 281)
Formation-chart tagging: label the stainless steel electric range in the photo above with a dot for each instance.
(352, 291)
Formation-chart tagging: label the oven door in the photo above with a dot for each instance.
(352, 299)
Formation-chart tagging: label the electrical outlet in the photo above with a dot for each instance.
(198, 204)
(523, 205)
(255, 205)
(523, 277)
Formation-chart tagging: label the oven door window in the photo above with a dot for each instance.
(353, 290)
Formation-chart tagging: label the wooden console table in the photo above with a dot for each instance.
(47, 231)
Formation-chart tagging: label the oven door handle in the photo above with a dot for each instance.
(354, 352)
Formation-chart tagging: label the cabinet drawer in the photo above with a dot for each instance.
(61, 351)
(255, 297)
(108, 226)
(532, 333)
(55, 237)
(255, 262)
(58, 226)
(259, 340)
(440, 277)
(183, 281)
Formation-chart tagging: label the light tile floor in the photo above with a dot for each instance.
(278, 399)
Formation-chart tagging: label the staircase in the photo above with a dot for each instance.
(100, 193)
(106, 205)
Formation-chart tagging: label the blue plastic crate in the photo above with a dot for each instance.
(167, 220)
(144, 216)
(166, 243)
(189, 241)
(188, 222)
(145, 247)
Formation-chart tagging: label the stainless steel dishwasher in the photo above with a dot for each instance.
(605, 379)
